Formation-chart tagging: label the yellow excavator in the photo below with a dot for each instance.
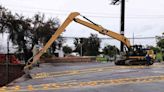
(133, 55)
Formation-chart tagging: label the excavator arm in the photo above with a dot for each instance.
(88, 23)
(104, 31)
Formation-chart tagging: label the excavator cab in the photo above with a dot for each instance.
(137, 50)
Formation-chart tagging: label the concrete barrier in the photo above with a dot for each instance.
(69, 59)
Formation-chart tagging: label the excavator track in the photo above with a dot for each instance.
(132, 62)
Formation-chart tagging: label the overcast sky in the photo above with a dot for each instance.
(144, 18)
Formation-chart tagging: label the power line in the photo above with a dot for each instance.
(98, 16)
(89, 14)
(66, 37)
(52, 10)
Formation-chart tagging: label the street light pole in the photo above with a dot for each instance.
(7, 62)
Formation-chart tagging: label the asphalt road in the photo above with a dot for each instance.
(91, 77)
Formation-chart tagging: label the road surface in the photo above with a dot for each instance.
(91, 77)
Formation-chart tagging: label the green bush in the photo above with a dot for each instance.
(159, 56)
(46, 55)
(101, 59)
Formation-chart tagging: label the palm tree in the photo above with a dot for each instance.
(16, 27)
(26, 32)
(43, 30)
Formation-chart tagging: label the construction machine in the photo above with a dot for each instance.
(133, 54)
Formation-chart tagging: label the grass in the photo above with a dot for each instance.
(101, 59)
(159, 56)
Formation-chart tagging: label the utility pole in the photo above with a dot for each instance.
(122, 22)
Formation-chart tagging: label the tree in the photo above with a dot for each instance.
(79, 45)
(16, 26)
(89, 46)
(67, 49)
(2, 20)
(92, 45)
(26, 32)
(43, 30)
(160, 41)
(110, 50)
(155, 49)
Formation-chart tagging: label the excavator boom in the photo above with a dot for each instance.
(52, 39)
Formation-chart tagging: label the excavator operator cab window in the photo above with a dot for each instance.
(137, 50)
